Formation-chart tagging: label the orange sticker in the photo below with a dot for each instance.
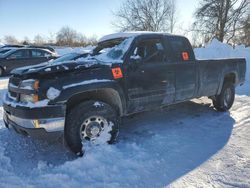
(117, 73)
(185, 56)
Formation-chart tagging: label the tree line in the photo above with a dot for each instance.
(66, 36)
(226, 20)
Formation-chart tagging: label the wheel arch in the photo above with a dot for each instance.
(231, 77)
(108, 95)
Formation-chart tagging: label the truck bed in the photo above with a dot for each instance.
(212, 72)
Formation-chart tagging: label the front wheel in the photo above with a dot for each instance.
(225, 99)
(90, 121)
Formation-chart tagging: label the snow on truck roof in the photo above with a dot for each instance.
(128, 34)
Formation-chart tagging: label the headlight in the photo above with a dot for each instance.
(28, 98)
(29, 84)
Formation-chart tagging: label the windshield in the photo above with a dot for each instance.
(66, 57)
(112, 49)
(4, 51)
(9, 52)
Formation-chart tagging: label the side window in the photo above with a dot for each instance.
(37, 53)
(20, 54)
(151, 50)
(182, 50)
(47, 54)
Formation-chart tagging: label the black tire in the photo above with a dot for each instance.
(1, 71)
(224, 101)
(82, 113)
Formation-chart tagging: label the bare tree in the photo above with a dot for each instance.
(38, 39)
(245, 34)
(66, 36)
(70, 37)
(26, 41)
(172, 15)
(146, 15)
(92, 40)
(220, 18)
(10, 40)
(51, 38)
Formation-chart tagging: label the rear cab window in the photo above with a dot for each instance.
(181, 48)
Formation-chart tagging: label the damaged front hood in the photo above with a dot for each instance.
(49, 68)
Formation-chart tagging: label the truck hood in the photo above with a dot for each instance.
(49, 68)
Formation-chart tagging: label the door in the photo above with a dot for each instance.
(39, 56)
(150, 78)
(186, 68)
(18, 58)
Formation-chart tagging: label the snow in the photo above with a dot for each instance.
(183, 145)
(86, 82)
(103, 138)
(126, 35)
(118, 35)
(110, 56)
(66, 50)
(53, 93)
(47, 70)
(97, 104)
(13, 103)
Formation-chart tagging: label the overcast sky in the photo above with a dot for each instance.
(22, 18)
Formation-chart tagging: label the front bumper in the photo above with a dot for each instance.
(39, 133)
(35, 122)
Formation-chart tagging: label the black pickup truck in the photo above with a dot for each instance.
(126, 73)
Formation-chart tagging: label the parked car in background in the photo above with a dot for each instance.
(42, 47)
(21, 57)
(7, 48)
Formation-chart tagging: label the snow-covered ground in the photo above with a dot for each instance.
(185, 145)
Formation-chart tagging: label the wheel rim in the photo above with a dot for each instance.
(95, 129)
(227, 97)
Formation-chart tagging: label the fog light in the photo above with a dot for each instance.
(36, 123)
(29, 98)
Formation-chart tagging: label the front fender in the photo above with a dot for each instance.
(69, 91)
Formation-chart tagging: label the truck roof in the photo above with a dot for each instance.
(130, 34)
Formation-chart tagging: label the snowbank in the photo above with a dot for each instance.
(217, 49)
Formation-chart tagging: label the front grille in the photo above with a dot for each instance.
(13, 95)
(14, 82)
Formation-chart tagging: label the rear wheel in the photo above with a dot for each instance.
(225, 99)
(91, 121)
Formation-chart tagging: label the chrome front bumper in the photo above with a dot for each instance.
(49, 125)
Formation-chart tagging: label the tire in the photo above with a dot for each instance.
(224, 101)
(91, 121)
(1, 71)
